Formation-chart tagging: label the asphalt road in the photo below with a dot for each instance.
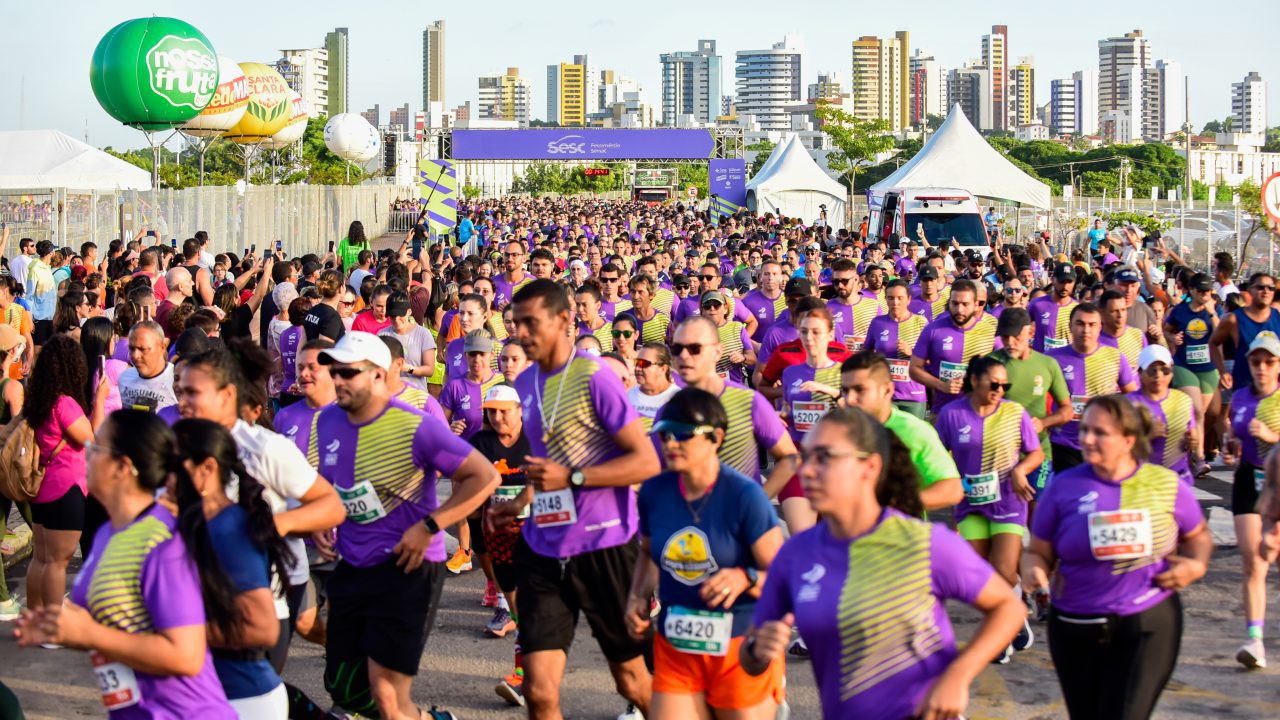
(460, 666)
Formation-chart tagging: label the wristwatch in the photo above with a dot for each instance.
(431, 525)
(753, 576)
(576, 477)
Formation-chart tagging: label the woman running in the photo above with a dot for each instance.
(809, 390)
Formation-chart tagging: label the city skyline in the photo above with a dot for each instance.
(385, 51)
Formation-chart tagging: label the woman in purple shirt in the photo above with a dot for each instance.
(137, 605)
(881, 643)
(1124, 535)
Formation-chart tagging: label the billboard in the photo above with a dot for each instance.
(655, 178)
(728, 182)
(583, 144)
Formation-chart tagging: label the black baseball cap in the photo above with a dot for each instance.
(1064, 273)
(1200, 282)
(1012, 321)
(798, 286)
(928, 272)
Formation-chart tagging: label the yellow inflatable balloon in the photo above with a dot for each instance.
(269, 108)
(294, 129)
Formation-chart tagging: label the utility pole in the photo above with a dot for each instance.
(1186, 97)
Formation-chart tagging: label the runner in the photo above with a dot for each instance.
(1115, 333)
(866, 383)
(513, 277)
(709, 279)
(997, 450)
(416, 341)
(653, 386)
(653, 323)
(852, 319)
(1189, 326)
(1176, 435)
(1255, 426)
(882, 646)
(739, 354)
(707, 538)
(1090, 370)
(1124, 536)
(929, 302)
(894, 335)
(591, 321)
(402, 391)
(386, 588)
(766, 302)
(462, 396)
(810, 390)
(588, 449)
(473, 314)
(942, 352)
(1052, 312)
(611, 300)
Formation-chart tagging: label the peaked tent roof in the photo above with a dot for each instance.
(958, 156)
(790, 167)
(51, 159)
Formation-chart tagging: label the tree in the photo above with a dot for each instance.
(1213, 126)
(1251, 202)
(856, 142)
(933, 122)
(763, 150)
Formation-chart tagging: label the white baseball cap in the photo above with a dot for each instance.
(1265, 340)
(1154, 354)
(357, 347)
(501, 397)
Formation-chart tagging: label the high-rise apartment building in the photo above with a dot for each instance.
(691, 84)
(400, 118)
(506, 97)
(339, 61)
(567, 85)
(970, 88)
(1127, 83)
(373, 115)
(880, 86)
(995, 56)
(770, 80)
(433, 65)
(307, 73)
(928, 88)
(1022, 78)
(829, 85)
(1073, 104)
(1249, 104)
(1170, 101)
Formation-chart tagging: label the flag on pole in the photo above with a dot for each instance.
(438, 185)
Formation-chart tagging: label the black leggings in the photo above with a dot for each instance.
(1116, 669)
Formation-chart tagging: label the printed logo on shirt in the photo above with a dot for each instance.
(810, 590)
(331, 453)
(687, 556)
(946, 343)
(292, 432)
(1087, 503)
(884, 335)
(1069, 372)
(1197, 328)
(465, 402)
(964, 433)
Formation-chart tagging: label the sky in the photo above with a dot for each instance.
(45, 48)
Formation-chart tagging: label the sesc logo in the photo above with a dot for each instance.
(565, 146)
(183, 71)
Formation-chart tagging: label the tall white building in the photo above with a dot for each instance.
(307, 73)
(881, 90)
(1171, 108)
(1128, 83)
(506, 97)
(692, 84)
(970, 88)
(1249, 104)
(928, 91)
(770, 80)
(1073, 104)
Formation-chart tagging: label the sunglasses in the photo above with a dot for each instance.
(641, 363)
(677, 349)
(608, 280)
(841, 281)
(348, 373)
(1015, 290)
(709, 278)
(1007, 386)
(623, 333)
(1267, 288)
(712, 304)
(1160, 369)
(685, 435)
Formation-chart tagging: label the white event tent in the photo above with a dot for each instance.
(790, 183)
(31, 159)
(957, 156)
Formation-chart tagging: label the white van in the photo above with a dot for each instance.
(942, 213)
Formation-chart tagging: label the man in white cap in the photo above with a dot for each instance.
(385, 591)
(1177, 436)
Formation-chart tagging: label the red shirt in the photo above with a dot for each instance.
(364, 322)
(791, 353)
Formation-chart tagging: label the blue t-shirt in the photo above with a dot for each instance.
(246, 566)
(731, 517)
(1196, 327)
(1096, 235)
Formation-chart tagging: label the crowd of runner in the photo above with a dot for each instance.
(721, 440)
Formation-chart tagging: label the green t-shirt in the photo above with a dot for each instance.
(1035, 380)
(931, 459)
(349, 254)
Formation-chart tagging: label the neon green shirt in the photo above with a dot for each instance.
(931, 459)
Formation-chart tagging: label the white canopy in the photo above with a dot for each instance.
(32, 159)
(957, 156)
(790, 183)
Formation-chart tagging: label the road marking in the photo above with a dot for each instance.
(1205, 495)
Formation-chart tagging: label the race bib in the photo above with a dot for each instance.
(854, 342)
(701, 632)
(899, 370)
(1259, 479)
(982, 489)
(1120, 534)
(507, 493)
(1077, 404)
(1197, 354)
(362, 503)
(948, 371)
(807, 414)
(724, 375)
(553, 509)
(117, 683)
(1054, 343)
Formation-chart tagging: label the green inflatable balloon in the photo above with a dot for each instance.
(154, 73)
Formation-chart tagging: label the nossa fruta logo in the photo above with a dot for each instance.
(182, 71)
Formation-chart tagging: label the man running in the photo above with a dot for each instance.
(894, 335)
(852, 310)
(578, 547)
(1051, 312)
(514, 277)
(941, 355)
(1241, 326)
(385, 591)
(1116, 332)
(611, 300)
(767, 302)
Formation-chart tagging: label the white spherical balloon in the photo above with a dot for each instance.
(351, 137)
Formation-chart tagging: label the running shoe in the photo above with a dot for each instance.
(511, 689)
(1004, 657)
(460, 562)
(490, 594)
(436, 713)
(1024, 638)
(10, 610)
(798, 650)
(631, 713)
(1252, 654)
(501, 624)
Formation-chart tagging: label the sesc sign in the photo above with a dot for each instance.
(583, 143)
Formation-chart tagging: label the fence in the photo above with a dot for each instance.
(303, 217)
